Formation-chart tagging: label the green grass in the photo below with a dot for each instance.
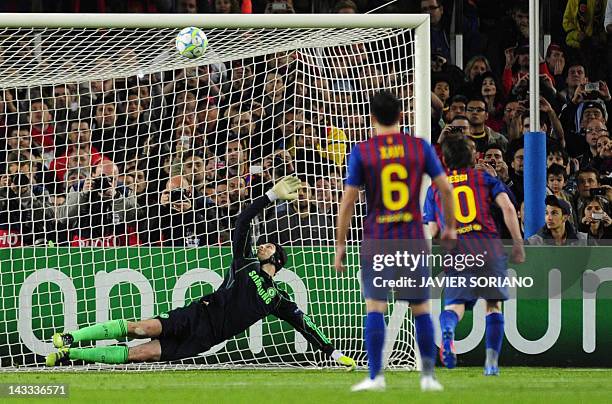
(467, 385)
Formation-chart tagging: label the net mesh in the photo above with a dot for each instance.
(125, 166)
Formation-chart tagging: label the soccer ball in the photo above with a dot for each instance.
(191, 42)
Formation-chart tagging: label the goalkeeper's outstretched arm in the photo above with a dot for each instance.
(285, 189)
(290, 312)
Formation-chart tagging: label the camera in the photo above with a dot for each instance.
(178, 194)
(101, 184)
(20, 180)
(597, 216)
(605, 181)
(455, 129)
(591, 87)
(598, 191)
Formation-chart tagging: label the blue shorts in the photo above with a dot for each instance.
(484, 283)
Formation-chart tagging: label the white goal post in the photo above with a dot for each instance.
(270, 93)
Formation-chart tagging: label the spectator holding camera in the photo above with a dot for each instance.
(589, 185)
(596, 221)
(577, 114)
(99, 213)
(180, 225)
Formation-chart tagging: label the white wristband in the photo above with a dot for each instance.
(271, 195)
(336, 355)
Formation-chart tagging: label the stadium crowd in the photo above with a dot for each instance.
(168, 159)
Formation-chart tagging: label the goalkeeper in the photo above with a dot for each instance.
(248, 294)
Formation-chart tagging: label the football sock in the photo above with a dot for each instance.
(425, 340)
(494, 337)
(448, 321)
(109, 330)
(374, 341)
(107, 354)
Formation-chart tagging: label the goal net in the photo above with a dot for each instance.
(125, 167)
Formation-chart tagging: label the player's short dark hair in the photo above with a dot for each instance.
(556, 169)
(385, 107)
(457, 153)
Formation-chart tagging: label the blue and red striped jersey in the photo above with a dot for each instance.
(474, 192)
(391, 168)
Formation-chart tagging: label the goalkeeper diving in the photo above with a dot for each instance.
(248, 294)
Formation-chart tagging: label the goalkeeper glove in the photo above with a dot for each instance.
(344, 360)
(285, 189)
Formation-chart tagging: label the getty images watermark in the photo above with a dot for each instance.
(456, 262)
(411, 268)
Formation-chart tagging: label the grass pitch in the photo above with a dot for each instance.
(462, 385)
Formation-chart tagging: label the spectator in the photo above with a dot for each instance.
(79, 138)
(64, 107)
(576, 116)
(41, 128)
(453, 107)
(324, 197)
(73, 177)
(226, 7)
(345, 7)
(557, 155)
(516, 175)
(556, 179)
(603, 161)
(475, 67)
(194, 171)
(490, 90)
(180, 224)
(576, 76)
(557, 230)
(137, 126)
(108, 130)
(99, 214)
(592, 132)
(459, 125)
(480, 133)
(494, 157)
(238, 192)
(588, 183)
(440, 42)
(235, 158)
(192, 6)
(555, 62)
(584, 23)
(596, 221)
(441, 87)
(26, 214)
(515, 77)
(299, 221)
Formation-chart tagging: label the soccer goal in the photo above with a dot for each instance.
(125, 166)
